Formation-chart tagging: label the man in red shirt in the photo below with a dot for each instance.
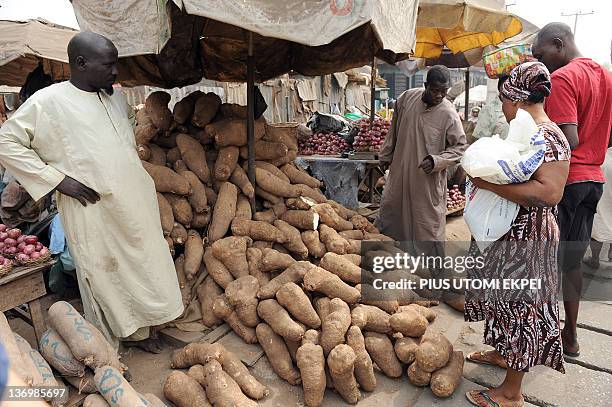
(581, 105)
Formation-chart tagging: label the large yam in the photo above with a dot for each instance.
(205, 109)
(184, 108)
(232, 132)
(166, 215)
(294, 241)
(273, 260)
(300, 177)
(279, 320)
(409, 323)
(257, 230)
(216, 269)
(194, 156)
(381, 351)
(330, 218)
(370, 318)
(304, 220)
(197, 199)
(167, 180)
(324, 282)
(311, 362)
(316, 248)
(274, 185)
(222, 309)
(434, 352)
(298, 304)
(241, 180)
(242, 296)
(116, 390)
(184, 391)
(156, 107)
(207, 292)
(157, 155)
(277, 353)
(445, 380)
(194, 252)
(266, 150)
(221, 389)
(232, 252)
(58, 354)
(341, 362)
(364, 368)
(341, 267)
(335, 325)
(226, 162)
(181, 209)
(294, 274)
(224, 211)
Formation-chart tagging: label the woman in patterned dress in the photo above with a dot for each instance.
(525, 332)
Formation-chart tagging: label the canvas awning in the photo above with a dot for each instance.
(178, 42)
(25, 44)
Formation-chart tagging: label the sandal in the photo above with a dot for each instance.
(483, 360)
(480, 398)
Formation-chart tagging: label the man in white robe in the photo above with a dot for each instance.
(76, 138)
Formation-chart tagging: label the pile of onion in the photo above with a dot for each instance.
(324, 144)
(371, 138)
(24, 248)
(455, 198)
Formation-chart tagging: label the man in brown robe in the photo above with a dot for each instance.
(425, 138)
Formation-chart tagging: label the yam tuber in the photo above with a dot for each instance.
(417, 376)
(184, 391)
(58, 354)
(194, 156)
(381, 351)
(257, 230)
(445, 380)
(179, 265)
(240, 178)
(167, 180)
(354, 234)
(333, 241)
(353, 258)
(243, 208)
(197, 199)
(279, 320)
(316, 248)
(254, 259)
(341, 267)
(341, 362)
(231, 251)
(183, 109)
(434, 352)
(226, 162)
(335, 325)
(294, 273)
(273, 184)
(364, 368)
(265, 216)
(207, 292)
(194, 252)
(202, 353)
(294, 300)
(322, 307)
(181, 209)
(293, 238)
(408, 323)
(429, 314)
(221, 389)
(157, 155)
(144, 152)
(405, 349)
(297, 176)
(354, 246)
(330, 218)
(301, 203)
(242, 296)
(222, 309)
(277, 353)
(224, 211)
(205, 109)
(311, 362)
(267, 196)
(370, 318)
(314, 194)
(178, 234)
(324, 282)
(273, 260)
(166, 215)
(304, 220)
(266, 150)
(156, 108)
(216, 269)
(233, 132)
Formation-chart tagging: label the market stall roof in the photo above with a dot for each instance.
(462, 25)
(24, 44)
(477, 94)
(180, 42)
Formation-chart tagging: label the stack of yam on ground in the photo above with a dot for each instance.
(285, 274)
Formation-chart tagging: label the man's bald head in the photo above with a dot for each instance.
(93, 61)
(554, 46)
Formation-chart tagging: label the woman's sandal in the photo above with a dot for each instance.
(483, 359)
(480, 398)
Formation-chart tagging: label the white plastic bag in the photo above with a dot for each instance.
(509, 161)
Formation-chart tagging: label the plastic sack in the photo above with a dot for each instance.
(509, 161)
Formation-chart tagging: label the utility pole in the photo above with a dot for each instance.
(577, 14)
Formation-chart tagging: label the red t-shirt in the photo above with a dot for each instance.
(582, 95)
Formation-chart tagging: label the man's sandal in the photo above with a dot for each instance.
(480, 398)
(483, 359)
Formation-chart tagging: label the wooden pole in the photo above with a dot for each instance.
(467, 93)
(251, 117)
(373, 92)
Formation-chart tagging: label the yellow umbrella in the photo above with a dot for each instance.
(462, 25)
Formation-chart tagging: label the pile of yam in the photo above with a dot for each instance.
(284, 273)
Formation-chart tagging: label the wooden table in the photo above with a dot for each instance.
(26, 285)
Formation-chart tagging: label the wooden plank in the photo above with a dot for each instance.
(216, 334)
(38, 318)
(177, 338)
(21, 291)
(19, 272)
